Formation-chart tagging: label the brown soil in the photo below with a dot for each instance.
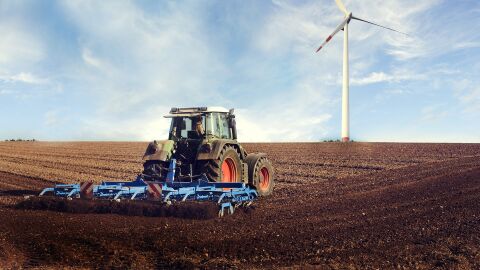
(335, 206)
(188, 210)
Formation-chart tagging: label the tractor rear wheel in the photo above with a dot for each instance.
(227, 168)
(155, 170)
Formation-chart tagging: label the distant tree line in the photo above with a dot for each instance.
(21, 140)
(337, 140)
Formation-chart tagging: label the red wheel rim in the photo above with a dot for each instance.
(229, 170)
(264, 178)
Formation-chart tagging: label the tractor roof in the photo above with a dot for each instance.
(193, 111)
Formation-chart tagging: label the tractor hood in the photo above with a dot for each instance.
(159, 150)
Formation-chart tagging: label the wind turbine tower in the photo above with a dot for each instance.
(345, 82)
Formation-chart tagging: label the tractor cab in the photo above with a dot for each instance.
(202, 123)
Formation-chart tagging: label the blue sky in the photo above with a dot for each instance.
(109, 70)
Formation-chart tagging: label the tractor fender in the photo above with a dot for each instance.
(251, 161)
(159, 150)
(212, 150)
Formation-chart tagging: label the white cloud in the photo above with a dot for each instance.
(26, 85)
(286, 125)
(434, 35)
(467, 92)
(22, 52)
(18, 46)
(300, 111)
(380, 77)
(6, 92)
(434, 113)
(93, 61)
(472, 99)
(24, 77)
(466, 44)
(374, 77)
(148, 126)
(395, 91)
(51, 118)
(166, 61)
(145, 60)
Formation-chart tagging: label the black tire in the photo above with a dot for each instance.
(155, 170)
(213, 168)
(261, 174)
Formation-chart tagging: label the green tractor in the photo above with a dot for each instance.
(203, 140)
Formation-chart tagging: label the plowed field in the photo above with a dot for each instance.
(335, 206)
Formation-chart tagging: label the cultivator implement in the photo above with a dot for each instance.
(228, 196)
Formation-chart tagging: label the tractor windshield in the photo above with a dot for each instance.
(188, 127)
(200, 126)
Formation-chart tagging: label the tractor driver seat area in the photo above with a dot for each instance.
(192, 134)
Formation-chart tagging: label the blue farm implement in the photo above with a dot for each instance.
(227, 195)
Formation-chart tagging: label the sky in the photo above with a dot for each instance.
(110, 70)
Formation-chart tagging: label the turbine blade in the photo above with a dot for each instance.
(341, 6)
(339, 27)
(391, 29)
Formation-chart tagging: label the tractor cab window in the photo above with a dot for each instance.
(224, 127)
(217, 126)
(213, 129)
(188, 127)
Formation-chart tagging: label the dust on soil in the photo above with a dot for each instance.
(335, 206)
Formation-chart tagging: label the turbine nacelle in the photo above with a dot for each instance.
(349, 16)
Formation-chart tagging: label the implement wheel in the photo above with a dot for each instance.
(260, 174)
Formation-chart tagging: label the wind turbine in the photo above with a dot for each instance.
(345, 84)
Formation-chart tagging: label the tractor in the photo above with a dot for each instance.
(203, 141)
